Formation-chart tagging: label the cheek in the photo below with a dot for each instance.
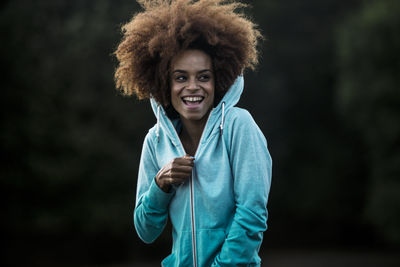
(174, 98)
(211, 91)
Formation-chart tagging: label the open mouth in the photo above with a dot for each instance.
(192, 100)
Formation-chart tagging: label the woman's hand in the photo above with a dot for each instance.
(175, 172)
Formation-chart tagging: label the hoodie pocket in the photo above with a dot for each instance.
(169, 261)
(181, 252)
(209, 243)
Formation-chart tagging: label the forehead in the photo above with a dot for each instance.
(191, 60)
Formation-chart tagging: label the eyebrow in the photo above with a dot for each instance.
(183, 71)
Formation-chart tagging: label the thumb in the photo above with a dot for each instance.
(187, 156)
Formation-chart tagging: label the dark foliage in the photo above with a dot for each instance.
(325, 95)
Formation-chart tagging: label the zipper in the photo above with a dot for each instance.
(191, 185)
(192, 207)
(192, 217)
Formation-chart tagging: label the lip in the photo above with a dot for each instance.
(193, 106)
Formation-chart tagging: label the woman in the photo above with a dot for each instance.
(205, 164)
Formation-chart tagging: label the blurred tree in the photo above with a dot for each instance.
(69, 145)
(317, 185)
(369, 99)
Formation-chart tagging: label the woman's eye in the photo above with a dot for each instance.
(204, 78)
(180, 78)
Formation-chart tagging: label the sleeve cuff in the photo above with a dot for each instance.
(158, 199)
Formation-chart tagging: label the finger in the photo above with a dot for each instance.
(179, 175)
(174, 181)
(183, 161)
(182, 168)
(178, 183)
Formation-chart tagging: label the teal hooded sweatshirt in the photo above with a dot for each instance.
(220, 213)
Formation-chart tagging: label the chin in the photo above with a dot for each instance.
(194, 117)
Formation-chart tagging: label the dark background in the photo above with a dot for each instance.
(326, 95)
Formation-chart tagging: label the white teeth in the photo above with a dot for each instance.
(192, 98)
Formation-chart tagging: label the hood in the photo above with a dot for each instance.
(215, 120)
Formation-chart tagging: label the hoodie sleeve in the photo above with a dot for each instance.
(251, 166)
(151, 211)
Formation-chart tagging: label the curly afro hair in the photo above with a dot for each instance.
(166, 27)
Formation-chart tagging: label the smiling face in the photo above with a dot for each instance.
(192, 85)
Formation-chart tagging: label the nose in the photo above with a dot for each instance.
(192, 85)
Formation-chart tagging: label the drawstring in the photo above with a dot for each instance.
(221, 126)
(158, 123)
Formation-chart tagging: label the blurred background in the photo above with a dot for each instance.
(326, 95)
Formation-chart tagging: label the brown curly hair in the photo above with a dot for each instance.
(165, 27)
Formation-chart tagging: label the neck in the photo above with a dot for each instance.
(191, 134)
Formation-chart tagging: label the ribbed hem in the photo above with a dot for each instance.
(158, 199)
